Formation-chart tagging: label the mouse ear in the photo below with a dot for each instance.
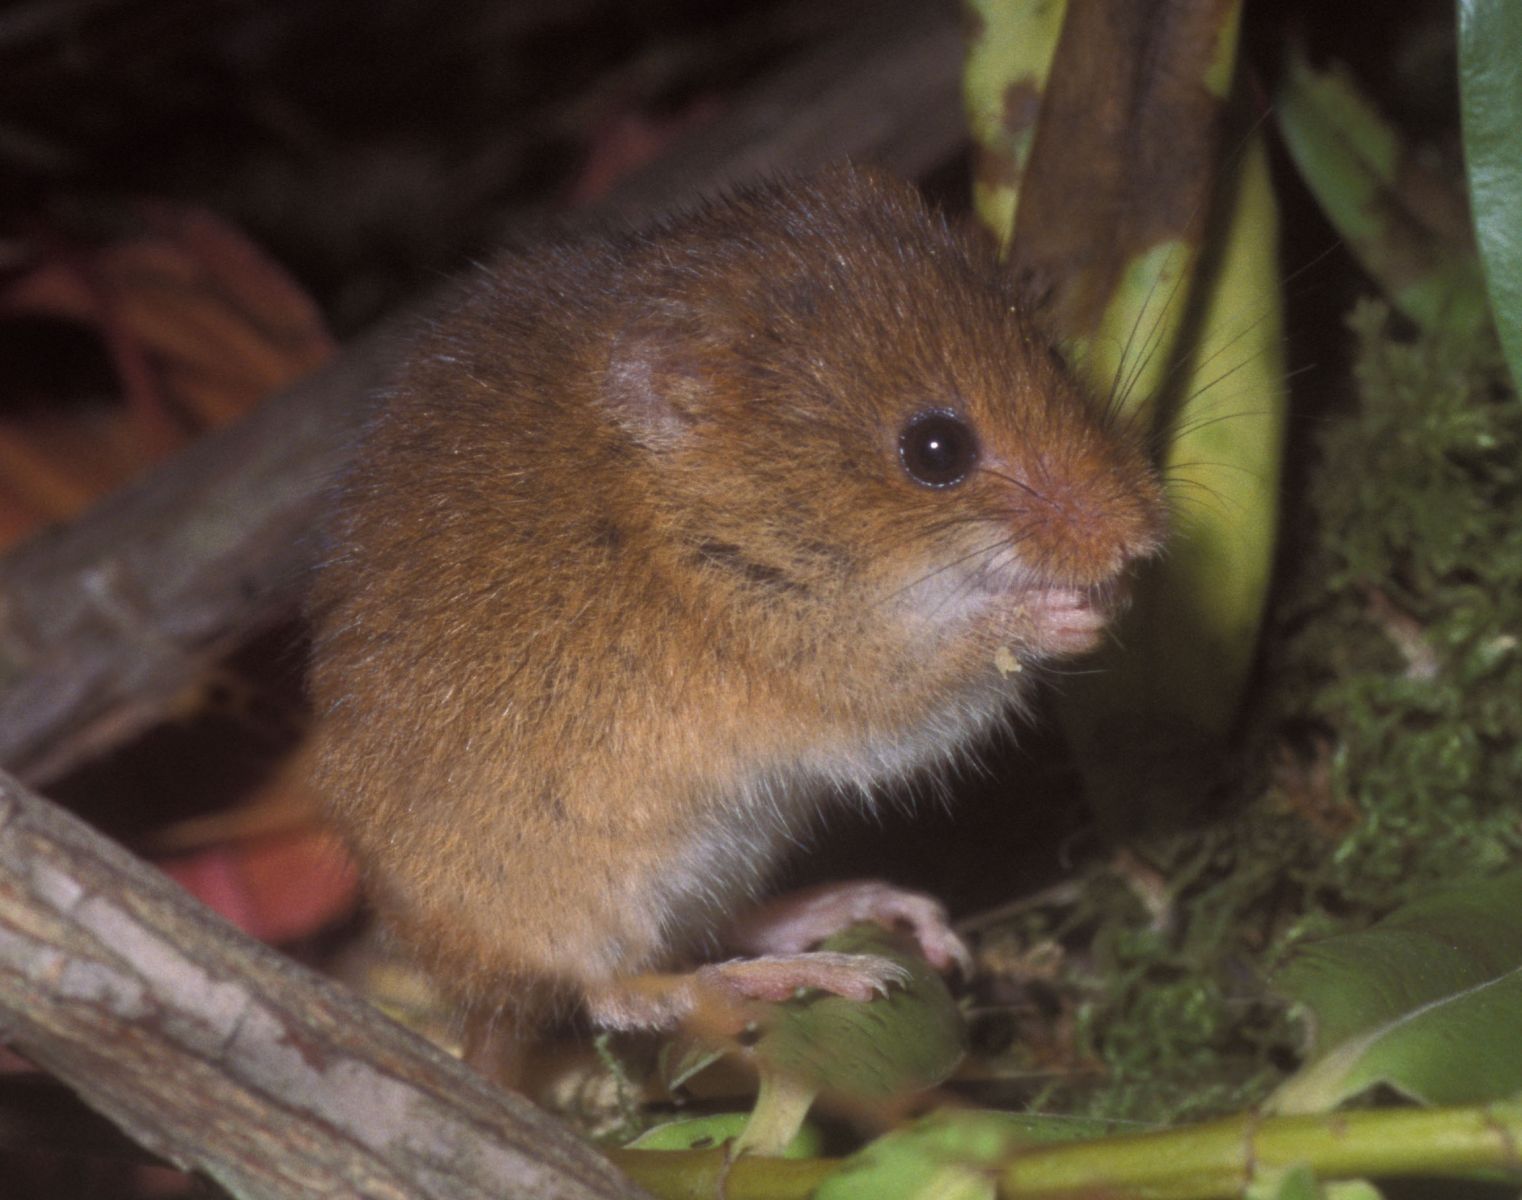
(653, 387)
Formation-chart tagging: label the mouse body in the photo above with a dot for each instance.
(664, 541)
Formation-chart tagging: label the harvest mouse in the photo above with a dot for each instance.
(663, 542)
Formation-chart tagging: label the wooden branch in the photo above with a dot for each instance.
(105, 623)
(227, 1058)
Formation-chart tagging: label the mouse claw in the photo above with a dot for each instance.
(779, 977)
(794, 922)
(716, 994)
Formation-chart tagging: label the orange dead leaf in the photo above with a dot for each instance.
(199, 325)
(274, 888)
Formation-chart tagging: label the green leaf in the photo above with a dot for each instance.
(1428, 1002)
(1404, 225)
(894, 1045)
(1294, 1183)
(701, 1133)
(867, 1053)
(1299, 1182)
(1490, 81)
(1352, 1189)
(1009, 52)
(946, 1156)
(685, 1056)
(1148, 723)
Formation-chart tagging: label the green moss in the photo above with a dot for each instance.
(1388, 744)
(1401, 649)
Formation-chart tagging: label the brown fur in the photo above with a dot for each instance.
(629, 578)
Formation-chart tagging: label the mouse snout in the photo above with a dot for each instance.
(1084, 528)
(1106, 538)
(1076, 538)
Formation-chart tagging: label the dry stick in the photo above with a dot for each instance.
(105, 624)
(229, 1059)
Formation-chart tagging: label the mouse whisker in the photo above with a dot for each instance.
(1019, 484)
(1128, 372)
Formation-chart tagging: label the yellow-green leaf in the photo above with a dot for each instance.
(1428, 1002)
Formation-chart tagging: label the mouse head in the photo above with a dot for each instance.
(845, 393)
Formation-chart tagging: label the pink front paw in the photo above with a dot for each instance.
(715, 994)
(794, 922)
(778, 977)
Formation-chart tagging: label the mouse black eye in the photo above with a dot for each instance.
(937, 448)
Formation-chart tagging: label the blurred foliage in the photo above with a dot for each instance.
(1491, 91)
(1423, 1005)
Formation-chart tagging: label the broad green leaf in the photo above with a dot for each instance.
(872, 1053)
(1490, 80)
(900, 1043)
(1009, 52)
(1091, 229)
(1132, 350)
(1119, 252)
(1428, 1002)
(1147, 725)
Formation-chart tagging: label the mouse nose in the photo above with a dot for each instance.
(1083, 527)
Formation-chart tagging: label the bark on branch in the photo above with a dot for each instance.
(227, 1058)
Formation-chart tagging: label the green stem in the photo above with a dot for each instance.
(1202, 1162)
(1220, 1159)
